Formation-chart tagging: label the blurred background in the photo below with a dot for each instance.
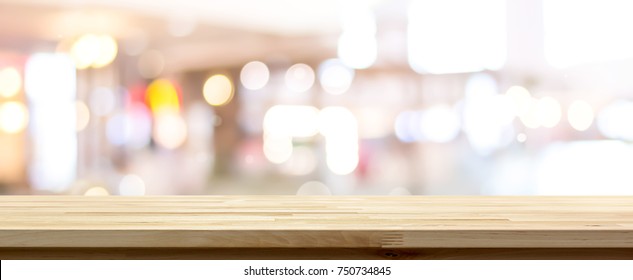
(402, 97)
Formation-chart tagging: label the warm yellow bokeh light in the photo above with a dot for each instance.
(10, 82)
(162, 96)
(218, 90)
(521, 98)
(97, 191)
(580, 115)
(85, 51)
(108, 50)
(13, 117)
(92, 50)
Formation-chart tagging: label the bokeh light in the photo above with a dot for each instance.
(97, 191)
(550, 111)
(277, 148)
(580, 115)
(614, 121)
(50, 84)
(92, 50)
(340, 128)
(445, 39)
(13, 117)
(254, 75)
(521, 98)
(10, 82)
(108, 50)
(545, 112)
(299, 77)
(314, 188)
(161, 95)
(45, 73)
(335, 77)
(170, 129)
(83, 115)
(488, 123)
(131, 185)
(151, 64)
(357, 44)
(85, 51)
(292, 121)
(407, 126)
(439, 124)
(479, 86)
(218, 90)
(139, 122)
(357, 50)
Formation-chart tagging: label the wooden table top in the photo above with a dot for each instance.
(316, 221)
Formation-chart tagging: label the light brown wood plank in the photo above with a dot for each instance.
(315, 222)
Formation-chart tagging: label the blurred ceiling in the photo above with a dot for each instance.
(217, 33)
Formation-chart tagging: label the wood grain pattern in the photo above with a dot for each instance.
(370, 222)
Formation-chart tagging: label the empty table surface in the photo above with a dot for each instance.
(315, 222)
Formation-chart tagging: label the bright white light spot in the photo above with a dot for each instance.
(532, 117)
(340, 128)
(521, 98)
(314, 188)
(357, 46)
(480, 86)
(277, 148)
(10, 82)
(580, 115)
(614, 121)
(439, 124)
(335, 77)
(521, 137)
(544, 112)
(254, 75)
(50, 87)
(571, 39)
(50, 78)
(487, 123)
(102, 101)
(97, 191)
(357, 50)
(151, 64)
(292, 121)
(446, 39)
(131, 185)
(585, 168)
(218, 90)
(170, 130)
(550, 111)
(299, 77)
(13, 117)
